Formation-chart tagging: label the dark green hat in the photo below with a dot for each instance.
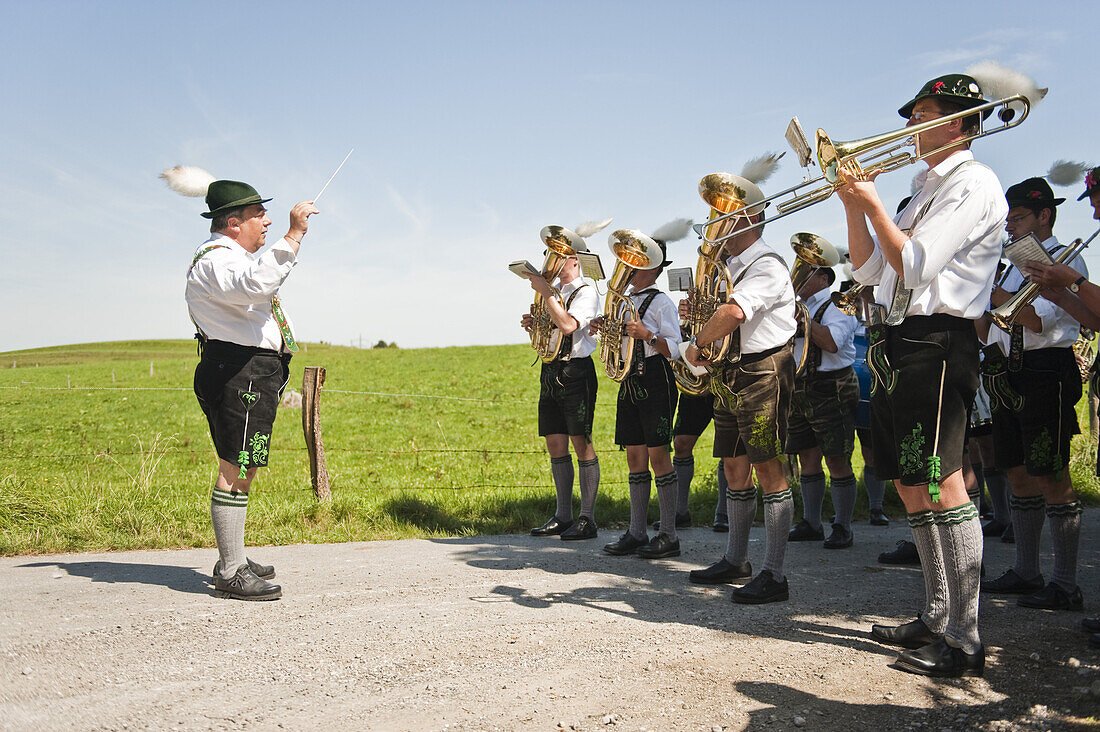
(226, 195)
(1033, 193)
(1092, 183)
(958, 88)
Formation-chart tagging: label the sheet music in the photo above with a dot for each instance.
(1026, 248)
(523, 268)
(796, 137)
(591, 266)
(679, 279)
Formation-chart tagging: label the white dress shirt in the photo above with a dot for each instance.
(1059, 328)
(584, 308)
(766, 296)
(229, 291)
(842, 328)
(951, 257)
(661, 319)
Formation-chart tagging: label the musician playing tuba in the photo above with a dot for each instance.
(752, 387)
(1034, 393)
(567, 397)
(647, 392)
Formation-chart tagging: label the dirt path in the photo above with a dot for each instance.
(510, 632)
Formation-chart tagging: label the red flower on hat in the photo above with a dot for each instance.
(938, 87)
(1034, 194)
(1090, 179)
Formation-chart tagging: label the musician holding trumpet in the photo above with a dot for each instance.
(1033, 393)
(934, 265)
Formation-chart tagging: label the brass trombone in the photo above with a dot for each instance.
(1005, 316)
(883, 153)
(633, 251)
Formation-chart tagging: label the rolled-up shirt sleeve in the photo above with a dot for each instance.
(756, 291)
(241, 281)
(585, 307)
(870, 272)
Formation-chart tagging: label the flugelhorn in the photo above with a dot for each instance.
(724, 194)
(812, 252)
(1005, 316)
(561, 243)
(633, 251)
(869, 156)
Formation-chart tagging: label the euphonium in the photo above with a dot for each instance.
(725, 194)
(812, 252)
(847, 302)
(561, 243)
(1084, 352)
(1005, 316)
(633, 251)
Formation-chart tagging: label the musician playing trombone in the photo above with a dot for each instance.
(567, 397)
(752, 398)
(1034, 395)
(1064, 285)
(933, 265)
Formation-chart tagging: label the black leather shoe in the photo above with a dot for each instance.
(762, 589)
(683, 521)
(1091, 625)
(878, 518)
(840, 538)
(1009, 536)
(582, 528)
(914, 634)
(721, 525)
(906, 553)
(994, 528)
(940, 659)
(553, 527)
(1011, 583)
(1053, 597)
(263, 571)
(626, 544)
(659, 547)
(245, 585)
(802, 531)
(720, 573)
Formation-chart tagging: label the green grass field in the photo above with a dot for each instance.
(104, 447)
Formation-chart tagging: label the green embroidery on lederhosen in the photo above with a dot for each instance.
(259, 448)
(242, 458)
(995, 380)
(882, 374)
(284, 325)
(249, 399)
(762, 433)
(1042, 448)
(909, 458)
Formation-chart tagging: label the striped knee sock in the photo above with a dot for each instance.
(1065, 533)
(666, 499)
(590, 485)
(960, 534)
(227, 513)
(639, 484)
(778, 511)
(927, 539)
(1027, 525)
(741, 509)
(561, 469)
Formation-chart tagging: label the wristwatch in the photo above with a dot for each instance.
(1077, 284)
(653, 341)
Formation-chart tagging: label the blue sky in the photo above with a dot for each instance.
(475, 124)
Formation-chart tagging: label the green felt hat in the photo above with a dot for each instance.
(958, 88)
(226, 195)
(1092, 183)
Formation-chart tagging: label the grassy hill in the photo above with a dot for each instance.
(102, 446)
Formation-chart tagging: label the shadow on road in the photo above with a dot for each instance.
(181, 579)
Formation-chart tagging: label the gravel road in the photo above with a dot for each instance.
(510, 632)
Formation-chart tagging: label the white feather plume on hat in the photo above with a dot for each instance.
(998, 82)
(588, 228)
(674, 230)
(1066, 172)
(188, 180)
(759, 169)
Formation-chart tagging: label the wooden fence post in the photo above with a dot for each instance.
(312, 382)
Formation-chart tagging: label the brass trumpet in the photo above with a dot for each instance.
(847, 302)
(712, 284)
(633, 251)
(812, 252)
(561, 243)
(869, 156)
(1005, 316)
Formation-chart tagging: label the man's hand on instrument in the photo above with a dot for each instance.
(1051, 275)
(595, 325)
(299, 219)
(541, 286)
(691, 355)
(527, 322)
(684, 308)
(858, 193)
(635, 329)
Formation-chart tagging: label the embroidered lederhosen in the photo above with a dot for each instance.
(636, 373)
(552, 375)
(813, 360)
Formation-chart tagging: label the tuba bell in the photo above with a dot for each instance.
(729, 197)
(633, 251)
(561, 243)
(812, 252)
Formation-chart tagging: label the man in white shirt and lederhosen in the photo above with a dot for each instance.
(934, 265)
(246, 343)
(1034, 386)
(752, 388)
(823, 413)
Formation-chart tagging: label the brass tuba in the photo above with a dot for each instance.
(1005, 316)
(633, 251)
(561, 243)
(726, 195)
(812, 252)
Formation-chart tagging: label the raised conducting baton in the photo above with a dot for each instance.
(333, 175)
